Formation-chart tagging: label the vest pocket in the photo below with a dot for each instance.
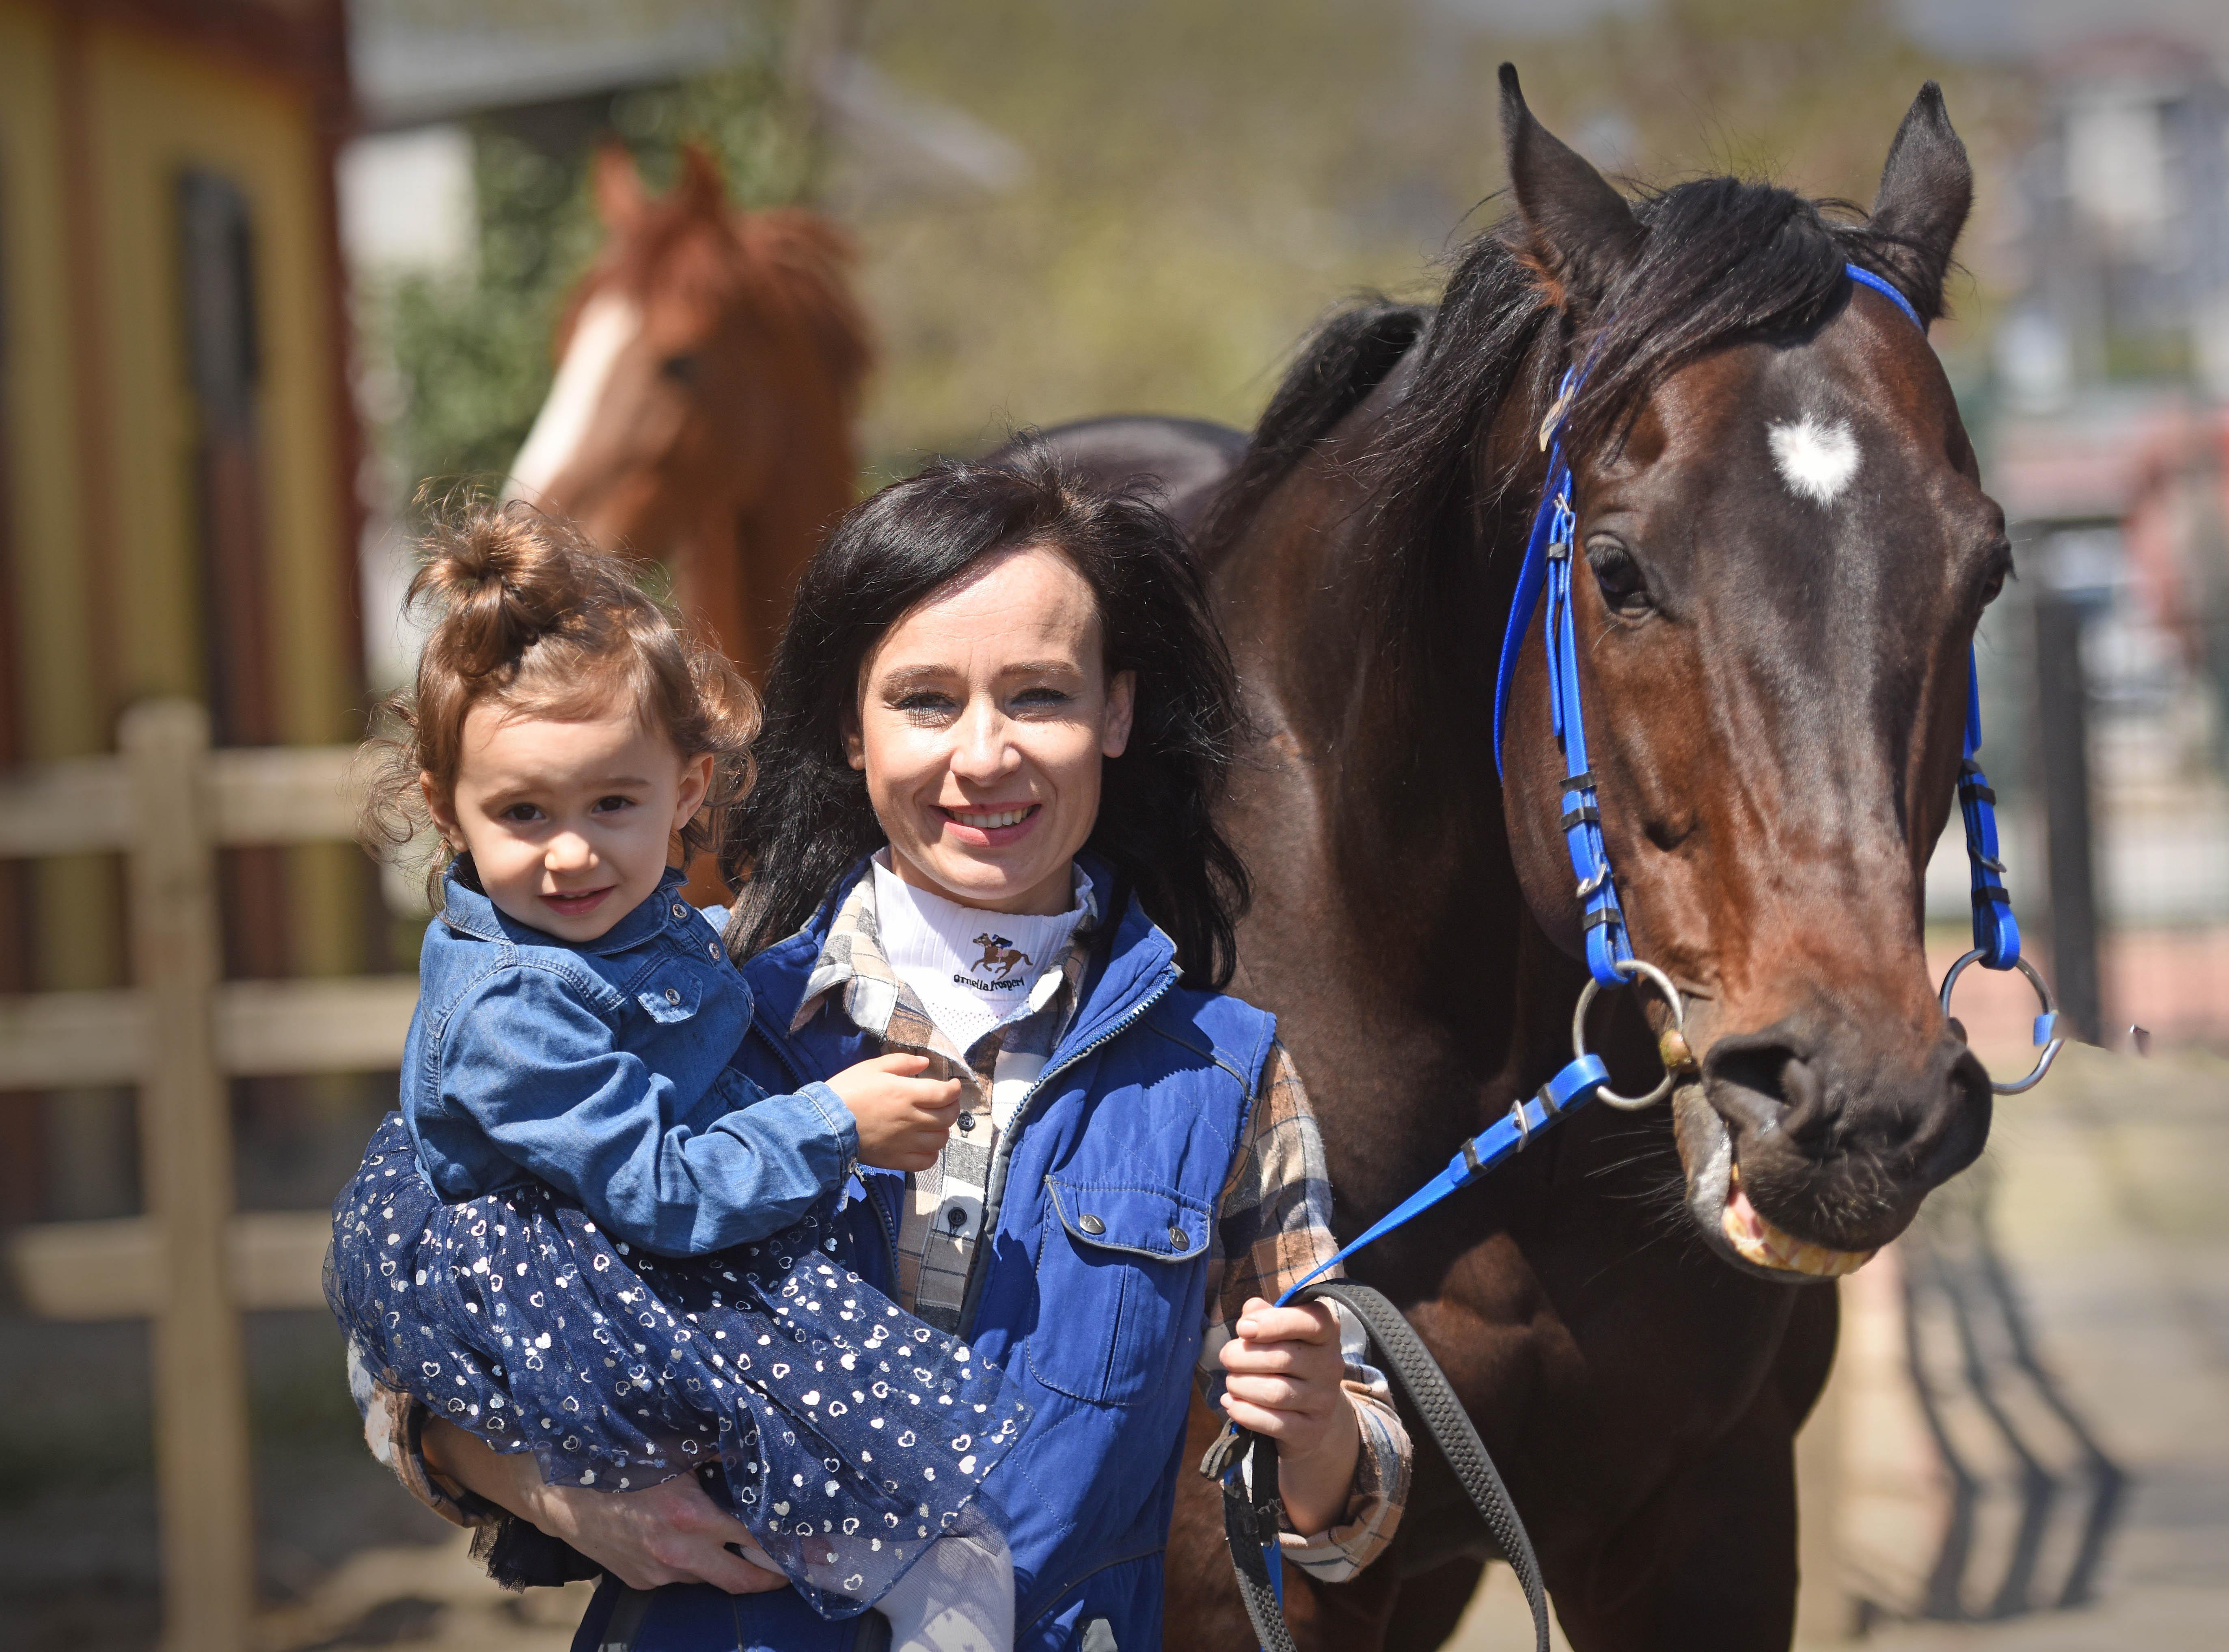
(1118, 1287)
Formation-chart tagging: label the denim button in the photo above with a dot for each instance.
(1091, 1224)
(713, 948)
(671, 996)
(1179, 1237)
(679, 911)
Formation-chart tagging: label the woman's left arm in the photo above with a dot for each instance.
(1288, 1373)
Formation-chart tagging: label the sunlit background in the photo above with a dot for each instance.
(268, 267)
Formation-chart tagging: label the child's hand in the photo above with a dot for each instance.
(903, 1117)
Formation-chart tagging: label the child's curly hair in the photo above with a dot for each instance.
(529, 615)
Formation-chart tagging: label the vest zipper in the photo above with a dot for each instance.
(993, 1208)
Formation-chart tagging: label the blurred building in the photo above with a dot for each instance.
(2106, 441)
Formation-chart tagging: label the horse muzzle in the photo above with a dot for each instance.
(1805, 1152)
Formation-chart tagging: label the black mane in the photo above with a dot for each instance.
(1723, 260)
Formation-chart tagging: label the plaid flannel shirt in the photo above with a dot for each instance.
(1273, 1222)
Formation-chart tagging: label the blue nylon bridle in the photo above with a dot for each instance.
(1547, 572)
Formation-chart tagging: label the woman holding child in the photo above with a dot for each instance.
(975, 1097)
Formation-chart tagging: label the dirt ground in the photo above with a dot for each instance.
(2101, 1191)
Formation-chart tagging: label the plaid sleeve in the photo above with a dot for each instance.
(392, 1425)
(1273, 1228)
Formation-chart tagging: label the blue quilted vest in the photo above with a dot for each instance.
(1091, 1298)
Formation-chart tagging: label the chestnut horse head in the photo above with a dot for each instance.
(710, 369)
(1785, 548)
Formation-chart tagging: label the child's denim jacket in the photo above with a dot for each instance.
(602, 1069)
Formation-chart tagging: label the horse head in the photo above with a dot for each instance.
(708, 369)
(1782, 550)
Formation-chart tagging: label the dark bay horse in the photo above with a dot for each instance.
(1786, 547)
(710, 367)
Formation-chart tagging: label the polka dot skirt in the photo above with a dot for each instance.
(848, 1435)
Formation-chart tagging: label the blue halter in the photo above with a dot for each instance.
(1610, 956)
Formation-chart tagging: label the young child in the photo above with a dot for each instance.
(587, 1235)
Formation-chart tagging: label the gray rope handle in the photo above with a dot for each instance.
(1250, 1515)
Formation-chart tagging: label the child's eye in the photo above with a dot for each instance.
(612, 804)
(522, 813)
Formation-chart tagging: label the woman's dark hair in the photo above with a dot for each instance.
(807, 820)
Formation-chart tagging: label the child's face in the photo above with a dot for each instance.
(569, 823)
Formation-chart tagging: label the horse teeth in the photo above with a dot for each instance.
(1758, 1241)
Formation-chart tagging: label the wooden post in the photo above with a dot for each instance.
(202, 1447)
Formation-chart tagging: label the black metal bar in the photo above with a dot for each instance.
(2062, 705)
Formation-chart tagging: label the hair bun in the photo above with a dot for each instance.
(498, 582)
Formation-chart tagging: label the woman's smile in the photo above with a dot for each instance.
(983, 827)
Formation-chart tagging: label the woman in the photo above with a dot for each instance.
(981, 832)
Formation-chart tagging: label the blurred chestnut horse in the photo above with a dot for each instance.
(710, 369)
(1782, 549)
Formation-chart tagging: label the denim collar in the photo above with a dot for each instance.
(467, 911)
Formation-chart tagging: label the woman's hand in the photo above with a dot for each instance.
(1283, 1369)
(666, 1533)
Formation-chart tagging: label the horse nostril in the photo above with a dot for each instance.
(1763, 1082)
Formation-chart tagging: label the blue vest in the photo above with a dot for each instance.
(1115, 1166)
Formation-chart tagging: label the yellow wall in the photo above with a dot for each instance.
(156, 112)
(154, 107)
(75, 898)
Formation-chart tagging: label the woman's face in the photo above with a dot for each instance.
(984, 716)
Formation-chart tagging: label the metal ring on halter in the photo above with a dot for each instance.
(1663, 982)
(2048, 1020)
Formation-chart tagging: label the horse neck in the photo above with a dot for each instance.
(1409, 642)
(745, 549)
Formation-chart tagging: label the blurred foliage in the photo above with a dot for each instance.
(472, 355)
(1206, 180)
(1204, 177)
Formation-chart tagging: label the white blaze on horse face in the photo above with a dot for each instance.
(608, 326)
(1816, 458)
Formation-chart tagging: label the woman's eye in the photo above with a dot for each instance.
(1624, 588)
(1041, 698)
(923, 705)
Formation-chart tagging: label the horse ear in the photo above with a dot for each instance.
(1926, 189)
(618, 185)
(1583, 236)
(703, 190)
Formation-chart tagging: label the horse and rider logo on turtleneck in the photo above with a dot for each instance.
(1003, 955)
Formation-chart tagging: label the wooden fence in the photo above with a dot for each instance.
(167, 802)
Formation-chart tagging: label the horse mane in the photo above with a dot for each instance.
(801, 264)
(1346, 356)
(1723, 260)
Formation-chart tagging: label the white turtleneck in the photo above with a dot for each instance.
(973, 970)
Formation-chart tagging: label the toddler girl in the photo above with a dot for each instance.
(585, 1235)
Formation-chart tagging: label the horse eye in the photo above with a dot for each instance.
(1624, 588)
(682, 368)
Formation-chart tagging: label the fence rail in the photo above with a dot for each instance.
(192, 1262)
